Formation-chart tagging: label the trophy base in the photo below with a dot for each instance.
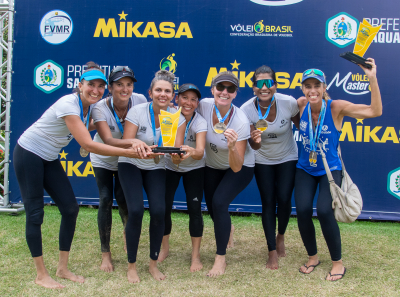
(356, 59)
(168, 150)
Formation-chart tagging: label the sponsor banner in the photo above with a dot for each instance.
(196, 41)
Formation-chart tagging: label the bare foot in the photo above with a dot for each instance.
(155, 273)
(272, 262)
(125, 248)
(196, 264)
(164, 249)
(65, 273)
(219, 266)
(310, 265)
(132, 274)
(48, 282)
(337, 272)
(280, 245)
(230, 242)
(106, 263)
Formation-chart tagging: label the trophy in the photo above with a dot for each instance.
(366, 33)
(169, 126)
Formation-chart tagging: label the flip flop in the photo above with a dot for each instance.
(334, 280)
(313, 266)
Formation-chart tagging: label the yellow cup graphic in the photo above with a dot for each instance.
(366, 33)
(169, 126)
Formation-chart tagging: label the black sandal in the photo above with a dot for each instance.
(311, 266)
(341, 274)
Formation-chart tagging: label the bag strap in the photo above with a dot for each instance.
(341, 160)
(327, 170)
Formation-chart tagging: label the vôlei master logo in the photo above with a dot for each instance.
(48, 76)
(341, 29)
(276, 2)
(56, 27)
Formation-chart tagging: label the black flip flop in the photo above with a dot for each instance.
(313, 266)
(341, 274)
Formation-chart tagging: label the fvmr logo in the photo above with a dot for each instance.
(393, 183)
(56, 27)
(48, 76)
(341, 29)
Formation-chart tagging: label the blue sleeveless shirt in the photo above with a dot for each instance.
(328, 140)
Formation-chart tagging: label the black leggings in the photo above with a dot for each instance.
(193, 182)
(275, 183)
(33, 174)
(105, 182)
(133, 180)
(304, 191)
(220, 188)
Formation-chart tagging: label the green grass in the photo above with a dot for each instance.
(371, 254)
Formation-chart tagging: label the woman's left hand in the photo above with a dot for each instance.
(189, 152)
(231, 137)
(371, 73)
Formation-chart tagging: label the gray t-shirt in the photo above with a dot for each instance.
(103, 113)
(217, 152)
(277, 142)
(139, 115)
(197, 125)
(49, 134)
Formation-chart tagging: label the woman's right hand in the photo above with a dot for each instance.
(256, 135)
(141, 148)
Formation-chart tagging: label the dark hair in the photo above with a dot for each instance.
(263, 69)
(89, 66)
(163, 75)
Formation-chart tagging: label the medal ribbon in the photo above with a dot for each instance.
(187, 128)
(318, 128)
(260, 116)
(121, 128)
(88, 114)
(153, 124)
(220, 119)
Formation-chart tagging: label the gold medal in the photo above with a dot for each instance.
(157, 159)
(84, 153)
(262, 125)
(313, 158)
(219, 128)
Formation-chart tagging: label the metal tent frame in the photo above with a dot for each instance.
(6, 51)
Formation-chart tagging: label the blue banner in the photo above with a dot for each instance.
(197, 39)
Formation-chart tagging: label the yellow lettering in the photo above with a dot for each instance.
(150, 29)
(278, 29)
(88, 169)
(236, 73)
(347, 130)
(285, 82)
(211, 74)
(121, 29)
(371, 134)
(106, 28)
(63, 164)
(296, 81)
(290, 29)
(184, 30)
(74, 168)
(267, 29)
(166, 30)
(359, 133)
(133, 29)
(246, 79)
(390, 134)
(272, 28)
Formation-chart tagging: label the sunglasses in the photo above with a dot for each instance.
(315, 72)
(221, 88)
(119, 69)
(268, 83)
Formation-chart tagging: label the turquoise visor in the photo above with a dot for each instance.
(93, 74)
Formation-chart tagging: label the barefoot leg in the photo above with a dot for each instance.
(132, 274)
(155, 273)
(219, 266)
(280, 245)
(196, 262)
(272, 262)
(164, 249)
(106, 263)
(62, 270)
(312, 260)
(337, 268)
(43, 278)
(230, 242)
(125, 248)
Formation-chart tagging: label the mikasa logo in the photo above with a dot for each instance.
(276, 2)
